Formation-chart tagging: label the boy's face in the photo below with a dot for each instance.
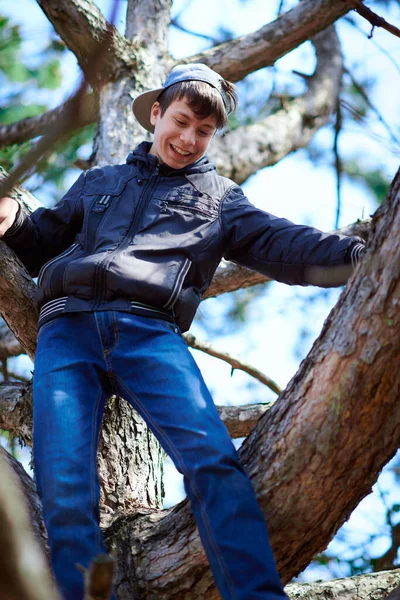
(180, 136)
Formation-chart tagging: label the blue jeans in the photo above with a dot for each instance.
(81, 359)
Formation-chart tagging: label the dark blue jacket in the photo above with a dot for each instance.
(143, 236)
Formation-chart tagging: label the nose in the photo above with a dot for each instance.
(188, 137)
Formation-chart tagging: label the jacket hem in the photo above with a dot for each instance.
(67, 304)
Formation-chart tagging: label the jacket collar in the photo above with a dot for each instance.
(140, 156)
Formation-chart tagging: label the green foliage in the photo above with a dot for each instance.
(15, 70)
(54, 166)
(375, 180)
(20, 75)
(9, 442)
(16, 112)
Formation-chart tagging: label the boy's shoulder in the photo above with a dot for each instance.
(211, 183)
(108, 178)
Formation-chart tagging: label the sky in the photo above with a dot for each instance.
(284, 321)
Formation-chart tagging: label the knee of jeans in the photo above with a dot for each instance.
(214, 461)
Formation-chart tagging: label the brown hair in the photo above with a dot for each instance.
(202, 98)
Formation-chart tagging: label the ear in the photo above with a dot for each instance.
(155, 113)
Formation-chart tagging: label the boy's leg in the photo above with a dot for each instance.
(155, 371)
(68, 408)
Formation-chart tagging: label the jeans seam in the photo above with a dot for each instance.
(196, 492)
(107, 351)
(93, 467)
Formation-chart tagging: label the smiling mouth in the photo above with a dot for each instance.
(179, 151)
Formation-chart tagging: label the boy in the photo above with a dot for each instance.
(127, 255)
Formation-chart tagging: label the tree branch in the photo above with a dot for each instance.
(16, 410)
(18, 305)
(9, 345)
(148, 20)
(31, 127)
(23, 569)
(373, 18)
(235, 363)
(360, 587)
(84, 30)
(243, 55)
(245, 150)
(241, 420)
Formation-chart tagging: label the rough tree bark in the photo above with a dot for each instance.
(319, 414)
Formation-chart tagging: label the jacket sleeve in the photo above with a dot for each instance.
(38, 237)
(281, 250)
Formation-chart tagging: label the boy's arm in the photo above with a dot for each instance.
(38, 237)
(281, 250)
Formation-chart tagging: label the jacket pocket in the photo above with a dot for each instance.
(186, 198)
(53, 261)
(96, 214)
(177, 287)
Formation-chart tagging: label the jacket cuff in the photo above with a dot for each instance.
(355, 252)
(19, 219)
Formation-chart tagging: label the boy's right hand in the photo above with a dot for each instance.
(8, 212)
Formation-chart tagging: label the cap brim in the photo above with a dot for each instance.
(141, 107)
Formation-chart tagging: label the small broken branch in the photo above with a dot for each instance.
(241, 420)
(234, 362)
(373, 18)
(98, 578)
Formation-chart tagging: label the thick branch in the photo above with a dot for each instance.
(360, 587)
(243, 151)
(84, 30)
(31, 127)
(149, 21)
(23, 569)
(16, 410)
(9, 345)
(241, 420)
(241, 56)
(18, 305)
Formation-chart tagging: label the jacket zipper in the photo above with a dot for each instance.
(100, 275)
(54, 260)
